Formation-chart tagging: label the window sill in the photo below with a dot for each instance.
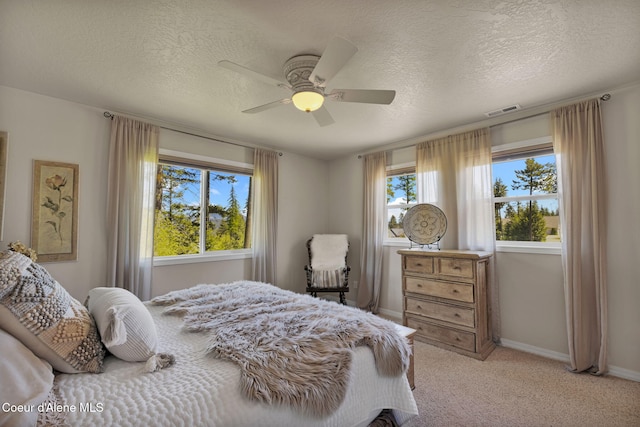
(529, 248)
(207, 257)
(397, 243)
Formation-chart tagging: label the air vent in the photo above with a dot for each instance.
(504, 110)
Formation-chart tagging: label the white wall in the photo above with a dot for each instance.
(303, 204)
(530, 285)
(621, 116)
(44, 128)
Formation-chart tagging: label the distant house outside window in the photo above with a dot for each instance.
(525, 199)
(200, 209)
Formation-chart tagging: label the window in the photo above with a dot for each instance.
(401, 196)
(525, 194)
(200, 207)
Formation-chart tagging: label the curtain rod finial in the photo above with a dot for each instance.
(606, 97)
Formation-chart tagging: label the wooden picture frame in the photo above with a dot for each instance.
(54, 219)
(4, 146)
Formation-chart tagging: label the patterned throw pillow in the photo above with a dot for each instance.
(327, 278)
(39, 312)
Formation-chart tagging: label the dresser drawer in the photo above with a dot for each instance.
(455, 267)
(417, 264)
(460, 339)
(448, 313)
(454, 291)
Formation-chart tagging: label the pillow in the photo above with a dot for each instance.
(126, 326)
(26, 380)
(39, 312)
(327, 278)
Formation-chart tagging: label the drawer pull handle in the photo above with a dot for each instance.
(456, 315)
(419, 307)
(419, 285)
(455, 291)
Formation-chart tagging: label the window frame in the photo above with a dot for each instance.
(203, 162)
(518, 150)
(396, 170)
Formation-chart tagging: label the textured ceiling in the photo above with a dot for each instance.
(449, 61)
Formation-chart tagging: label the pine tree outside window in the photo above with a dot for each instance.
(201, 208)
(525, 196)
(401, 196)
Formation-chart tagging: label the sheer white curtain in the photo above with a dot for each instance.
(133, 161)
(374, 229)
(264, 218)
(579, 147)
(454, 173)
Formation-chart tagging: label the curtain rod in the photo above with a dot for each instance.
(605, 97)
(110, 116)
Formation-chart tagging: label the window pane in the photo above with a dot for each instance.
(528, 221)
(534, 175)
(401, 195)
(177, 222)
(395, 216)
(227, 211)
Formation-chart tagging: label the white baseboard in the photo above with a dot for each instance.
(549, 354)
(391, 315)
(562, 357)
(627, 374)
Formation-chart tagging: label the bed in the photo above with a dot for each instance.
(186, 378)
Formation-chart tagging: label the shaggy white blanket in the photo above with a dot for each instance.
(292, 348)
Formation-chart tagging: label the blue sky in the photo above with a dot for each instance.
(219, 191)
(505, 171)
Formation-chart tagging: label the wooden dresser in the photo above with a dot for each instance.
(445, 299)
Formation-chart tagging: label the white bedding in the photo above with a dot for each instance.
(200, 390)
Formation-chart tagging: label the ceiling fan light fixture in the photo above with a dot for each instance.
(307, 100)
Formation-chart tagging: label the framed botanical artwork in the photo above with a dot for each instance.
(3, 176)
(54, 219)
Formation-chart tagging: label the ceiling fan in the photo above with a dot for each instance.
(307, 77)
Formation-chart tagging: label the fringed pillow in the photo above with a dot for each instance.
(126, 327)
(39, 312)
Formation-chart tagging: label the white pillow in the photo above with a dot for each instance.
(26, 380)
(125, 325)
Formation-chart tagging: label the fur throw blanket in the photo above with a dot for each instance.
(291, 348)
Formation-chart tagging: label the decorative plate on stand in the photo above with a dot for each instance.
(424, 224)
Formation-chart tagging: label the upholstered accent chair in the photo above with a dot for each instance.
(327, 270)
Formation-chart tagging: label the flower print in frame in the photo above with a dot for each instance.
(54, 226)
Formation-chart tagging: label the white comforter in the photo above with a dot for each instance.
(200, 390)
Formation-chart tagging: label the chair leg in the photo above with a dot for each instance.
(343, 300)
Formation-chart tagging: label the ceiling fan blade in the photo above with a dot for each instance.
(253, 74)
(363, 95)
(268, 106)
(322, 116)
(335, 56)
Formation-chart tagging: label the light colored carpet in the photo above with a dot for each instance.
(513, 388)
